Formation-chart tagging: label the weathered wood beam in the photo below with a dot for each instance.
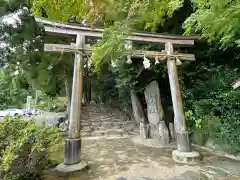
(183, 141)
(134, 53)
(73, 29)
(142, 53)
(64, 48)
(73, 142)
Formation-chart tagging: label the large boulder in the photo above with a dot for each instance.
(155, 113)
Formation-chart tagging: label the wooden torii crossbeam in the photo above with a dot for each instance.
(74, 29)
(72, 143)
(135, 53)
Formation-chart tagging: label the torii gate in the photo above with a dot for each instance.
(73, 142)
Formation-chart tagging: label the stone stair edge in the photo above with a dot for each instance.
(103, 107)
(105, 122)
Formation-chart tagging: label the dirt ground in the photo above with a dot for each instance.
(121, 159)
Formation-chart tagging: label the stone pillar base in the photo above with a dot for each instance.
(183, 141)
(186, 157)
(71, 168)
(151, 142)
(72, 151)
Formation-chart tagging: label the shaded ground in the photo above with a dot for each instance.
(111, 159)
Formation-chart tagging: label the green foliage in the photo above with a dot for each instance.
(12, 5)
(11, 92)
(25, 148)
(110, 47)
(216, 20)
(140, 14)
(24, 53)
(214, 107)
(52, 104)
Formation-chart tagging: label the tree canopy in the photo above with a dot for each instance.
(23, 53)
(216, 20)
(140, 14)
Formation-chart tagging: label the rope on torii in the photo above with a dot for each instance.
(134, 53)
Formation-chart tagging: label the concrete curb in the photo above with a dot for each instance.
(218, 153)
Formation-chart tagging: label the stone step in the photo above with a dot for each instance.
(103, 115)
(108, 133)
(102, 111)
(101, 107)
(103, 132)
(104, 119)
(112, 112)
(106, 123)
(99, 120)
(102, 127)
(90, 122)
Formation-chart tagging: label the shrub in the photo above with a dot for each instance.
(11, 93)
(218, 120)
(213, 106)
(25, 148)
(57, 104)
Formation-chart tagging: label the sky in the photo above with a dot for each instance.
(10, 19)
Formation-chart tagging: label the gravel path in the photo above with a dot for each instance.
(120, 159)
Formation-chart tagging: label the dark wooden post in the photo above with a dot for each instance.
(73, 142)
(182, 135)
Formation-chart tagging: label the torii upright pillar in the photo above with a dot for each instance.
(184, 153)
(72, 158)
(73, 142)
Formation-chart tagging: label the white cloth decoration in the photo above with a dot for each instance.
(89, 63)
(16, 72)
(156, 60)
(129, 61)
(113, 64)
(146, 62)
(128, 45)
(178, 62)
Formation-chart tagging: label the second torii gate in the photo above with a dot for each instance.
(73, 142)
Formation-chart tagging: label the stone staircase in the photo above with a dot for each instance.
(99, 120)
